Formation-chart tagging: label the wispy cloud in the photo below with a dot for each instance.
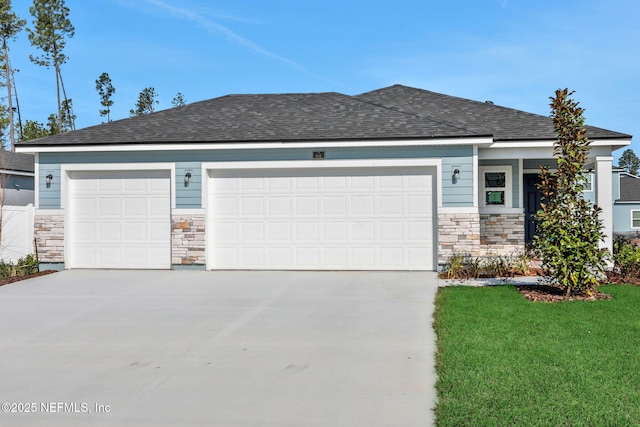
(215, 28)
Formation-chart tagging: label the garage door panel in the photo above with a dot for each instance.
(363, 231)
(306, 232)
(225, 206)
(306, 205)
(120, 220)
(390, 205)
(419, 205)
(321, 219)
(363, 205)
(334, 205)
(108, 232)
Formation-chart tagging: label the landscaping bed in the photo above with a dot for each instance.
(550, 293)
(13, 279)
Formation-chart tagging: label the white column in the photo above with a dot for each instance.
(604, 197)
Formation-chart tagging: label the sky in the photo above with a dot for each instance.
(515, 53)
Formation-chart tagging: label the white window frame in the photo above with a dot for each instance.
(588, 188)
(632, 219)
(508, 188)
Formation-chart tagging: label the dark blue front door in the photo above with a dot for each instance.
(532, 198)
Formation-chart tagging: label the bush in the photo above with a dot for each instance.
(626, 256)
(465, 267)
(25, 265)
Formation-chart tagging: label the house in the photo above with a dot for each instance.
(16, 178)
(626, 205)
(394, 179)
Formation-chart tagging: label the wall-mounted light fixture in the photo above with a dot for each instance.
(49, 178)
(456, 175)
(187, 178)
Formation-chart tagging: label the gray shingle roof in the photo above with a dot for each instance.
(262, 118)
(16, 161)
(480, 117)
(629, 188)
(396, 112)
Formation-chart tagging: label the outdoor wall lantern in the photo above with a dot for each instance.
(49, 178)
(456, 175)
(187, 178)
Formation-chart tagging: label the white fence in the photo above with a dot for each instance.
(17, 233)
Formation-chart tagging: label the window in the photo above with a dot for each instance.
(635, 219)
(588, 185)
(496, 187)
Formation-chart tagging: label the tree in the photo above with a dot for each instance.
(569, 229)
(10, 26)
(105, 90)
(4, 124)
(33, 130)
(68, 118)
(147, 99)
(52, 27)
(178, 100)
(629, 162)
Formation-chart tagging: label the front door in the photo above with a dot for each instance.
(532, 196)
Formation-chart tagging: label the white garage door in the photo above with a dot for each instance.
(120, 220)
(321, 219)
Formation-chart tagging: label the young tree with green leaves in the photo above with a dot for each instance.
(10, 26)
(178, 100)
(629, 162)
(51, 29)
(105, 90)
(147, 99)
(569, 229)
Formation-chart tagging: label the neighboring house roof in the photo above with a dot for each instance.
(480, 117)
(396, 112)
(18, 162)
(629, 188)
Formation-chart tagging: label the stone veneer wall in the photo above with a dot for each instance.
(188, 240)
(49, 235)
(501, 234)
(458, 233)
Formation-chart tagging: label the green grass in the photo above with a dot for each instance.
(506, 361)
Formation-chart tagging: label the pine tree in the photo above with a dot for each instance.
(147, 99)
(10, 26)
(105, 90)
(51, 29)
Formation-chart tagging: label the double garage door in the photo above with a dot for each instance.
(295, 219)
(323, 219)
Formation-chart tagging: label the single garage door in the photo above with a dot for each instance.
(321, 219)
(120, 220)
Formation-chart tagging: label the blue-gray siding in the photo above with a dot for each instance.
(459, 193)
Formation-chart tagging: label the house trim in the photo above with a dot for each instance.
(485, 141)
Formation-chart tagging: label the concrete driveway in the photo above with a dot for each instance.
(180, 348)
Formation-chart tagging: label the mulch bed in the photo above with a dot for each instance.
(7, 280)
(550, 293)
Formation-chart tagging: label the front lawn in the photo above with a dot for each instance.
(505, 361)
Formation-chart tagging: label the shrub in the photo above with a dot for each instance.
(569, 228)
(25, 265)
(626, 256)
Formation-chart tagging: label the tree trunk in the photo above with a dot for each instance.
(8, 71)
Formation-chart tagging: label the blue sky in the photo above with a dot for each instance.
(512, 52)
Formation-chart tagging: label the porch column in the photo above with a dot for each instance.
(604, 198)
